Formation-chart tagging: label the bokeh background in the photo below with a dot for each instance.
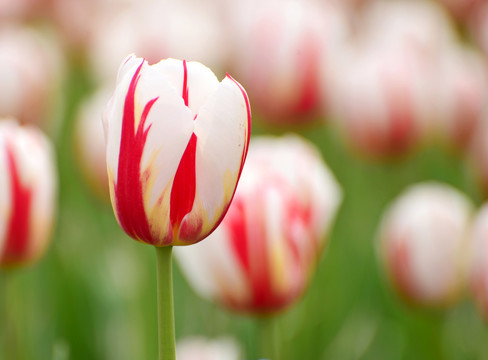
(93, 296)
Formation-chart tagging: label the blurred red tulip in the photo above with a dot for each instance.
(28, 187)
(423, 243)
(479, 261)
(31, 68)
(176, 143)
(281, 50)
(262, 256)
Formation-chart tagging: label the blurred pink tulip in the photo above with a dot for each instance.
(478, 26)
(383, 103)
(197, 348)
(462, 9)
(90, 142)
(423, 243)
(31, 67)
(461, 96)
(262, 256)
(158, 30)
(176, 143)
(479, 261)
(28, 187)
(478, 154)
(281, 50)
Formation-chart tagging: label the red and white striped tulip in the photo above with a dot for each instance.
(423, 243)
(176, 143)
(261, 257)
(478, 275)
(28, 188)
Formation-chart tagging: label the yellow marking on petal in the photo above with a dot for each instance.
(111, 188)
(158, 213)
(277, 256)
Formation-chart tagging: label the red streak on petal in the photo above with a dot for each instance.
(184, 185)
(17, 234)
(185, 83)
(128, 189)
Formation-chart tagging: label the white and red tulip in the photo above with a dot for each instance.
(262, 256)
(176, 143)
(28, 188)
(423, 243)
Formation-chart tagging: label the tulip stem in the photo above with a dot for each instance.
(166, 319)
(270, 338)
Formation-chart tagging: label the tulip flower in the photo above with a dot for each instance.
(90, 143)
(197, 348)
(283, 49)
(262, 256)
(176, 142)
(28, 187)
(478, 265)
(31, 68)
(423, 238)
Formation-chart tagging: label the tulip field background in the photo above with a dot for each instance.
(93, 295)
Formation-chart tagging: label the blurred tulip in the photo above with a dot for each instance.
(386, 92)
(28, 187)
(479, 261)
(31, 66)
(156, 31)
(282, 48)
(462, 9)
(176, 142)
(90, 143)
(261, 257)
(478, 154)
(203, 349)
(461, 96)
(478, 26)
(383, 103)
(423, 243)
(19, 9)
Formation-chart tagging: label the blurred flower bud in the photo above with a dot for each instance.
(28, 187)
(479, 261)
(261, 257)
(158, 30)
(382, 103)
(197, 348)
(176, 139)
(90, 142)
(281, 48)
(461, 96)
(31, 66)
(423, 243)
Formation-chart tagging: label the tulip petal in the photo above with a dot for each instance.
(200, 81)
(222, 128)
(150, 141)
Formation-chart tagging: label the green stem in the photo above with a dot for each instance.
(166, 319)
(9, 336)
(270, 338)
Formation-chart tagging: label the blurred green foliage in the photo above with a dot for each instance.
(93, 296)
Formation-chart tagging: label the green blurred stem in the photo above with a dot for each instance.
(270, 337)
(9, 336)
(166, 319)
